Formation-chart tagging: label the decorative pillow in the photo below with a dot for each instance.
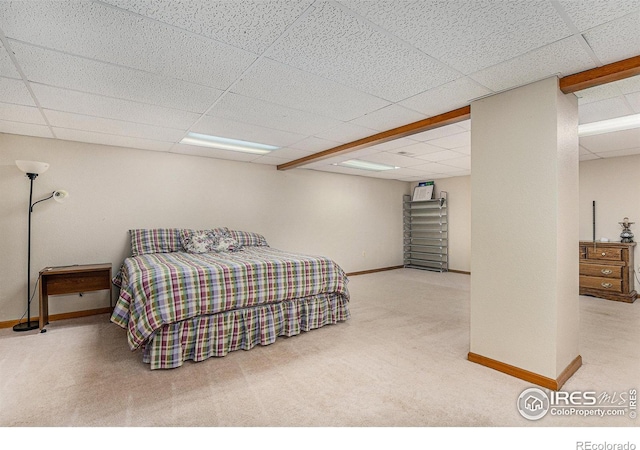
(155, 240)
(248, 239)
(199, 241)
(226, 243)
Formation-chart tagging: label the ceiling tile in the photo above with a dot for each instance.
(440, 156)
(598, 93)
(439, 132)
(277, 83)
(389, 117)
(466, 124)
(418, 149)
(247, 132)
(62, 119)
(363, 153)
(407, 172)
(447, 97)
(453, 141)
(462, 162)
(99, 106)
(628, 85)
(270, 160)
(341, 170)
(249, 24)
(15, 91)
(466, 150)
(587, 14)
(328, 162)
(111, 139)
(608, 142)
(314, 144)
(266, 114)
(467, 36)
(62, 70)
(616, 40)
(194, 150)
(387, 174)
(100, 32)
(346, 132)
(436, 168)
(21, 113)
(604, 109)
(289, 154)
(393, 145)
(215, 153)
(393, 159)
(439, 176)
(7, 68)
(25, 129)
(336, 45)
(563, 57)
(634, 101)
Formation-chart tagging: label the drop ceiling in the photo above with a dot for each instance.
(303, 75)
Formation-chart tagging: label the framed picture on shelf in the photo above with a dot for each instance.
(421, 193)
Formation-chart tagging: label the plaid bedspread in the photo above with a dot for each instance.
(166, 288)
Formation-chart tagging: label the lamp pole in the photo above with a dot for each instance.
(28, 325)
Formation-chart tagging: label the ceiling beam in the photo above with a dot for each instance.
(430, 123)
(618, 70)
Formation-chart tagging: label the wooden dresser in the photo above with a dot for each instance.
(606, 270)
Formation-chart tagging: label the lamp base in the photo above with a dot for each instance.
(26, 326)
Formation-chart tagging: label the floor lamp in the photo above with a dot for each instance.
(33, 169)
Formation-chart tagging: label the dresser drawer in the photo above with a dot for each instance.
(601, 270)
(604, 254)
(601, 283)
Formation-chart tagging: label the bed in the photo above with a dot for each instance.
(194, 294)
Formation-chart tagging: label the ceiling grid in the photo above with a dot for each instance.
(307, 76)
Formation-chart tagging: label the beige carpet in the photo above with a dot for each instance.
(400, 361)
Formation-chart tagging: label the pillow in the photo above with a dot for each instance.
(226, 243)
(199, 241)
(155, 240)
(248, 239)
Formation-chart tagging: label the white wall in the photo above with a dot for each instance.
(356, 221)
(614, 184)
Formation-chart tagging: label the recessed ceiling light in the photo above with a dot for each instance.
(236, 145)
(365, 165)
(608, 126)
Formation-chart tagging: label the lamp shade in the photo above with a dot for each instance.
(60, 196)
(36, 167)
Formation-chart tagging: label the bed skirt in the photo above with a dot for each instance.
(202, 337)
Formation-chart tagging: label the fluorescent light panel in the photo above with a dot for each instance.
(608, 126)
(365, 165)
(235, 145)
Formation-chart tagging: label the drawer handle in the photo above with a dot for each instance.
(604, 253)
(606, 285)
(607, 271)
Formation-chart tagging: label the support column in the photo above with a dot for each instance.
(524, 233)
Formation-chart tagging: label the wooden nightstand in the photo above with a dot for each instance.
(71, 280)
(606, 270)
